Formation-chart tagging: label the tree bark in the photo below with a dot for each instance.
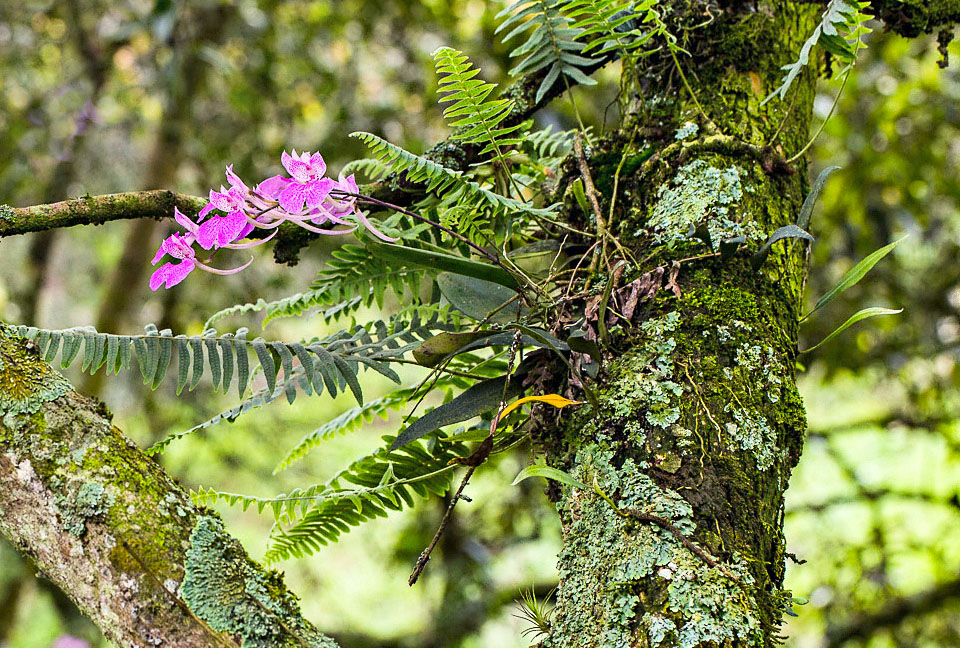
(109, 527)
(699, 421)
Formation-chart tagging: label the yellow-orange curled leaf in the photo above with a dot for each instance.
(555, 400)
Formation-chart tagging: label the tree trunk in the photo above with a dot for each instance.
(109, 527)
(699, 421)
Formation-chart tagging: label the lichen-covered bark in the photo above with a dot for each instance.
(116, 533)
(699, 420)
(96, 210)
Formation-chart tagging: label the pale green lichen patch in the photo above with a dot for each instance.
(699, 195)
(608, 560)
(7, 213)
(689, 129)
(648, 383)
(26, 381)
(89, 501)
(232, 594)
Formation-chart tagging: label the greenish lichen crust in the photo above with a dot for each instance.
(231, 593)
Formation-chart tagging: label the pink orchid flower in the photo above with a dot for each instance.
(170, 274)
(181, 247)
(220, 231)
(307, 186)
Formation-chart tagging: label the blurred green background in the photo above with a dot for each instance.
(99, 97)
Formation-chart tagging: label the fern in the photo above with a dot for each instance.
(349, 421)
(386, 480)
(608, 25)
(332, 362)
(263, 397)
(352, 419)
(552, 45)
(373, 169)
(481, 120)
(840, 32)
(551, 146)
(449, 185)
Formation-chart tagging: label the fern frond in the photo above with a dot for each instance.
(288, 386)
(552, 44)
(549, 146)
(238, 309)
(480, 120)
(449, 185)
(372, 168)
(332, 362)
(349, 421)
(354, 277)
(609, 25)
(386, 481)
(840, 32)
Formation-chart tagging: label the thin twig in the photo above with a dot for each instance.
(796, 156)
(591, 192)
(425, 556)
(666, 525)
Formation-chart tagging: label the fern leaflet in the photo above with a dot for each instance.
(552, 45)
(840, 32)
(481, 120)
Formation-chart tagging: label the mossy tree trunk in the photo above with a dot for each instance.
(699, 420)
(110, 528)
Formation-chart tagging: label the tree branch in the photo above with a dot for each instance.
(863, 626)
(96, 210)
(117, 534)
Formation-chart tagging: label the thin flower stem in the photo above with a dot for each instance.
(686, 84)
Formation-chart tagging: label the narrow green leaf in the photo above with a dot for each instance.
(549, 473)
(787, 231)
(806, 211)
(855, 274)
(439, 261)
(856, 317)
(483, 397)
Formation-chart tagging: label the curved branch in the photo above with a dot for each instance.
(96, 210)
(117, 534)
(863, 626)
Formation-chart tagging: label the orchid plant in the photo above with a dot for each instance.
(306, 199)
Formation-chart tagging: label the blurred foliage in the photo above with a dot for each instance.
(874, 506)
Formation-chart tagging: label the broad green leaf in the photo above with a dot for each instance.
(856, 317)
(855, 274)
(480, 299)
(483, 397)
(439, 261)
(549, 473)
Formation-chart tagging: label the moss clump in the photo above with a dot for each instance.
(233, 594)
(26, 381)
